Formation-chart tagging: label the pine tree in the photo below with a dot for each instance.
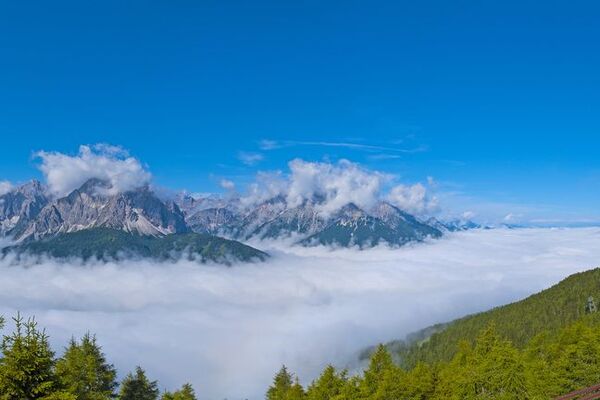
(391, 384)
(26, 366)
(351, 389)
(296, 392)
(380, 365)
(419, 383)
(329, 385)
(282, 383)
(185, 393)
(138, 387)
(494, 369)
(542, 377)
(577, 357)
(84, 372)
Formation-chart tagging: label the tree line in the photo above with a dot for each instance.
(29, 370)
(491, 367)
(549, 365)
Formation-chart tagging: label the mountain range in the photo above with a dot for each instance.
(307, 225)
(29, 214)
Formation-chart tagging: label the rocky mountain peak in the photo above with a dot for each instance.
(20, 205)
(92, 206)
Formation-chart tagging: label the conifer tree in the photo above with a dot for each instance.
(84, 371)
(282, 383)
(185, 393)
(351, 389)
(577, 357)
(26, 365)
(329, 385)
(419, 383)
(493, 369)
(542, 377)
(296, 392)
(391, 385)
(137, 386)
(380, 365)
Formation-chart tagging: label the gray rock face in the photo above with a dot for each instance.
(350, 226)
(21, 205)
(302, 220)
(191, 205)
(404, 224)
(91, 206)
(455, 225)
(214, 221)
(254, 218)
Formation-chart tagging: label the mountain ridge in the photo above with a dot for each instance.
(107, 244)
(28, 213)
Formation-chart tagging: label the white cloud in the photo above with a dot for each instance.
(334, 185)
(266, 186)
(270, 144)
(338, 184)
(227, 184)
(5, 187)
(267, 144)
(468, 215)
(512, 217)
(250, 158)
(64, 173)
(228, 330)
(414, 199)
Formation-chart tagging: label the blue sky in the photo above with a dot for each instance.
(497, 100)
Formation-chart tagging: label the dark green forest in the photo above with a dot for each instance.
(113, 244)
(538, 348)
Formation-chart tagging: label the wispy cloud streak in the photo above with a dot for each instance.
(272, 145)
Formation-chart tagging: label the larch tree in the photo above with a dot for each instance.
(136, 386)
(282, 383)
(185, 393)
(27, 362)
(329, 385)
(84, 371)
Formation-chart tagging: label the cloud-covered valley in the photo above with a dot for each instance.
(227, 330)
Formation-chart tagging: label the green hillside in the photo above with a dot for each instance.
(110, 244)
(547, 311)
(536, 349)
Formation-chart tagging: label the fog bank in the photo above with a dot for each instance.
(228, 330)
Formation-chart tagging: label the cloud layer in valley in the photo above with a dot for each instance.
(228, 330)
(65, 173)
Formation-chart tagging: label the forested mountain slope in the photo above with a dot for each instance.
(547, 311)
(115, 244)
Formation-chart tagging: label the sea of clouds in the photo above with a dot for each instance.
(228, 330)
